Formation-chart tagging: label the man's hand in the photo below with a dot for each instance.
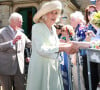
(16, 39)
(27, 59)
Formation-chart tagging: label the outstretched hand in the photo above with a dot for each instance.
(16, 39)
(89, 34)
(71, 48)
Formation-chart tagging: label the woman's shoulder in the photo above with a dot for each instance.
(38, 25)
(38, 28)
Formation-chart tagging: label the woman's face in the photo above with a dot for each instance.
(51, 17)
(90, 12)
(74, 22)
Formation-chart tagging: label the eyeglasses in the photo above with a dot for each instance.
(91, 12)
(58, 26)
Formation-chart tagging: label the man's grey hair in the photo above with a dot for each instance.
(14, 16)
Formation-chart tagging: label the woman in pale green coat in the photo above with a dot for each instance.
(44, 69)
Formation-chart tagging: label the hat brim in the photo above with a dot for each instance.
(46, 8)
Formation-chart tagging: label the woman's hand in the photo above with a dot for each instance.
(72, 47)
(69, 47)
(89, 34)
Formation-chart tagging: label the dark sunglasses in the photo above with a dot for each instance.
(89, 13)
(58, 26)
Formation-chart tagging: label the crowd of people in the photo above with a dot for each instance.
(52, 43)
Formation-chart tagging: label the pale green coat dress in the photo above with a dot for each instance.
(44, 68)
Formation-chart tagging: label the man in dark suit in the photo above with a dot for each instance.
(12, 45)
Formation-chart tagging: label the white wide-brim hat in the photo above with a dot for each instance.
(47, 7)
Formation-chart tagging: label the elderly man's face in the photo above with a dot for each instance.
(16, 22)
(19, 22)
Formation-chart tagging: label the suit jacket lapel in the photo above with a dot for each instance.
(10, 32)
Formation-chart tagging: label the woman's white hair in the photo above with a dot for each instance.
(14, 16)
(78, 15)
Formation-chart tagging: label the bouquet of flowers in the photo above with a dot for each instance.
(96, 19)
(70, 31)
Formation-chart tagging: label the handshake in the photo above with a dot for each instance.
(72, 47)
